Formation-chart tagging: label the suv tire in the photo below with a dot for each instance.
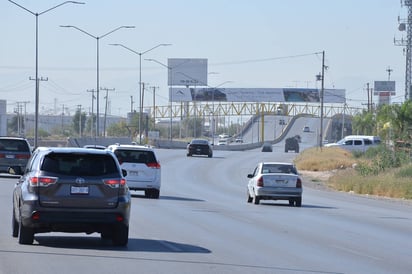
(26, 235)
(14, 226)
(120, 235)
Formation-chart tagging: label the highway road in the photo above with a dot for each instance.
(202, 224)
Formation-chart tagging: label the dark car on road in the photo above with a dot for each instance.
(267, 147)
(292, 143)
(71, 190)
(14, 151)
(199, 147)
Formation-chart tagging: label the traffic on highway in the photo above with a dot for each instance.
(202, 223)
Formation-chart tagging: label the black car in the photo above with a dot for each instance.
(292, 143)
(71, 190)
(267, 147)
(199, 147)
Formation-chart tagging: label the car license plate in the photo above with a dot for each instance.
(281, 181)
(134, 173)
(10, 156)
(79, 190)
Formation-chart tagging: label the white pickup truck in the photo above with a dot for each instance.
(356, 142)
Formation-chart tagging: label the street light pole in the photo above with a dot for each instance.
(140, 80)
(171, 94)
(36, 120)
(322, 91)
(98, 65)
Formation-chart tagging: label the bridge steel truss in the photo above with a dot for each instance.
(202, 109)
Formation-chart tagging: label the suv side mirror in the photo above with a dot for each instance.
(15, 170)
(124, 172)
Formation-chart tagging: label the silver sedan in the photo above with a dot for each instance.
(275, 181)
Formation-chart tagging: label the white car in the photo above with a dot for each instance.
(142, 166)
(275, 181)
(222, 142)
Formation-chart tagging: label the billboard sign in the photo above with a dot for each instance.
(384, 86)
(256, 95)
(187, 72)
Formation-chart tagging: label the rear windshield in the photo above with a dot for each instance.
(135, 156)
(278, 168)
(79, 164)
(200, 142)
(14, 145)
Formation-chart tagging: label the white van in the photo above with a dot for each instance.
(357, 142)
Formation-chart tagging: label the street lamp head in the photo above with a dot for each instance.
(76, 2)
(128, 27)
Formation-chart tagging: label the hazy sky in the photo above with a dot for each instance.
(260, 43)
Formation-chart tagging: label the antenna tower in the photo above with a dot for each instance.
(406, 25)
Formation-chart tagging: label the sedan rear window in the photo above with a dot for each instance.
(278, 168)
(79, 164)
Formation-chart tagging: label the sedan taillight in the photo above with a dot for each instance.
(260, 181)
(298, 183)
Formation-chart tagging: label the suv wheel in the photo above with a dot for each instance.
(26, 235)
(120, 235)
(14, 226)
(152, 193)
(155, 193)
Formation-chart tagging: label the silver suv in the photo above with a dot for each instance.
(71, 190)
(142, 166)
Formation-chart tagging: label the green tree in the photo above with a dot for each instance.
(79, 122)
(15, 125)
(364, 123)
(119, 129)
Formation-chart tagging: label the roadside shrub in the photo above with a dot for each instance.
(379, 159)
(404, 172)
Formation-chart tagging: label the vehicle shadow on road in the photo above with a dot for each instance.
(96, 243)
(171, 198)
(303, 205)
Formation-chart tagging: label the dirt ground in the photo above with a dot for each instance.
(315, 179)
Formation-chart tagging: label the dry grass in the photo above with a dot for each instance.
(393, 183)
(327, 158)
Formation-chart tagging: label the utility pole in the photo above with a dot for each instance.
(92, 116)
(141, 111)
(80, 120)
(22, 119)
(154, 107)
(321, 77)
(389, 70)
(105, 109)
(36, 120)
(131, 103)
